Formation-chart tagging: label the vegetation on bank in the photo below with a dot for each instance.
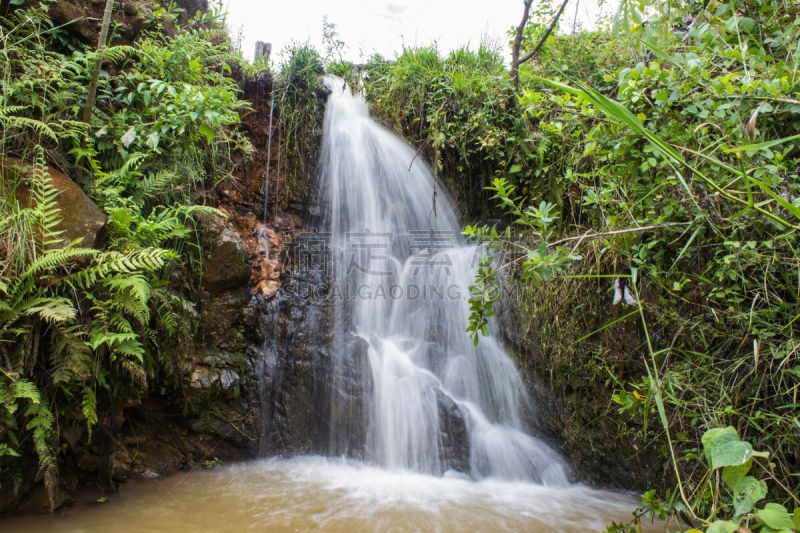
(83, 327)
(657, 158)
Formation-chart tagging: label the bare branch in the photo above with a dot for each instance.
(546, 34)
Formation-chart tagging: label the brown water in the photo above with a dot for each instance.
(320, 494)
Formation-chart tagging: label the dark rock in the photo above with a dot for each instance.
(453, 428)
(26, 468)
(227, 263)
(38, 500)
(82, 18)
(89, 462)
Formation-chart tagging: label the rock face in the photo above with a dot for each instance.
(455, 441)
(81, 18)
(81, 219)
(227, 264)
(290, 333)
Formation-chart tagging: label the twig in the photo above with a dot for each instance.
(776, 480)
(546, 34)
(589, 235)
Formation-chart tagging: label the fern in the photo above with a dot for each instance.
(53, 310)
(71, 356)
(25, 123)
(24, 389)
(99, 315)
(89, 409)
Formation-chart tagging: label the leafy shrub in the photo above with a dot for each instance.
(79, 326)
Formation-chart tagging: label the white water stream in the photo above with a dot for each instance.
(403, 273)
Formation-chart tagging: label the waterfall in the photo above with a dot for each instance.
(269, 158)
(401, 276)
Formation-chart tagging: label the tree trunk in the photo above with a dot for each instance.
(101, 43)
(518, 43)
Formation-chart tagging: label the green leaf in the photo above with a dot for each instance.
(206, 130)
(661, 54)
(732, 474)
(746, 493)
(759, 146)
(152, 140)
(722, 447)
(722, 526)
(776, 516)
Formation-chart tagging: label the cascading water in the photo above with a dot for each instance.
(401, 277)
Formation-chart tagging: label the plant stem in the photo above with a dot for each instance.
(101, 43)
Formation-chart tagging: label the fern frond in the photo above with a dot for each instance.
(112, 53)
(44, 195)
(70, 356)
(89, 409)
(136, 372)
(52, 310)
(131, 294)
(113, 340)
(7, 110)
(24, 389)
(51, 260)
(154, 185)
(148, 259)
(23, 123)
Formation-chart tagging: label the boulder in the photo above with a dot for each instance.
(227, 264)
(455, 439)
(81, 218)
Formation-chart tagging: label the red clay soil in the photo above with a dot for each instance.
(243, 200)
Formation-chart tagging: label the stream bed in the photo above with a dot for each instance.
(334, 495)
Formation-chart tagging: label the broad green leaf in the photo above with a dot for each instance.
(661, 54)
(776, 516)
(746, 493)
(206, 130)
(722, 526)
(732, 474)
(722, 447)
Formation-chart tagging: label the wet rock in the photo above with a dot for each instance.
(38, 500)
(120, 465)
(455, 440)
(227, 264)
(268, 288)
(81, 218)
(227, 378)
(148, 473)
(199, 379)
(89, 462)
(202, 378)
(223, 316)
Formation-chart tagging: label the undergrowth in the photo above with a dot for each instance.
(85, 325)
